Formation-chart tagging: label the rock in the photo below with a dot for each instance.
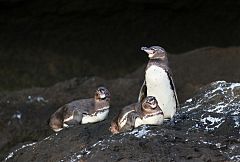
(216, 109)
(25, 113)
(205, 129)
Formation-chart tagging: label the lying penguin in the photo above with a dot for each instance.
(134, 115)
(82, 111)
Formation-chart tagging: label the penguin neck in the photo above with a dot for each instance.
(158, 62)
(100, 104)
(139, 110)
(153, 112)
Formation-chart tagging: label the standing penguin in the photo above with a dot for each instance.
(82, 111)
(158, 81)
(134, 115)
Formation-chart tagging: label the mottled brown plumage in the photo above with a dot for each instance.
(82, 111)
(136, 114)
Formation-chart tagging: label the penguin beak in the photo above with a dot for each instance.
(148, 50)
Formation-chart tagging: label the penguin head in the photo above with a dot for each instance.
(102, 93)
(149, 104)
(155, 52)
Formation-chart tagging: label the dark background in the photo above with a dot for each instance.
(46, 41)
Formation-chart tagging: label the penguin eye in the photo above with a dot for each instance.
(154, 49)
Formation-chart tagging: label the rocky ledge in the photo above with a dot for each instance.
(207, 128)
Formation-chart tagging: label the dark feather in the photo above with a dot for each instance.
(143, 92)
(173, 88)
(130, 122)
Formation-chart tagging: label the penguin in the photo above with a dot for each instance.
(159, 82)
(82, 111)
(137, 114)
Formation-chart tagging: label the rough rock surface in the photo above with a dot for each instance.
(206, 129)
(24, 114)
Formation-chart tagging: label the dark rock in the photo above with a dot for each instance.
(205, 129)
(24, 114)
(90, 35)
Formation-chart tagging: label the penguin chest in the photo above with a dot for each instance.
(154, 119)
(96, 117)
(159, 85)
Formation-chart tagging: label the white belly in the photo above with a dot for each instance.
(153, 120)
(95, 118)
(158, 85)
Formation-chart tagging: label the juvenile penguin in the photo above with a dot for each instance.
(134, 115)
(82, 111)
(159, 82)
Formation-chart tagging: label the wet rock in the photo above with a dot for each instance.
(205, 129)
(216, 109)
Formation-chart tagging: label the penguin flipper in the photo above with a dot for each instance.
(143, 92)
(77, 118)
(174, 89)
(130, 124)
